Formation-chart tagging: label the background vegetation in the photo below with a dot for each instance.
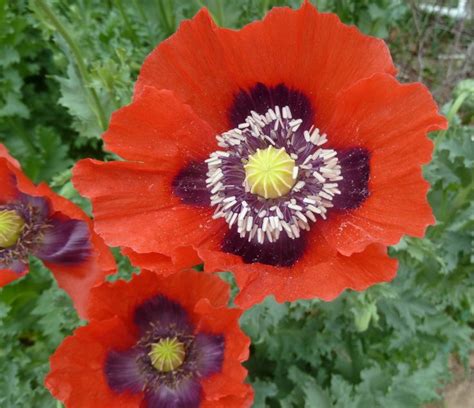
(66, 65)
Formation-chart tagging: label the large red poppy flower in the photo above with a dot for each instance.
(285, 152)
(36, 221)
(155, 342)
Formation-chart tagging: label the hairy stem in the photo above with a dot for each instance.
(79, 59)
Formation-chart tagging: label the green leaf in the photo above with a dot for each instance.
(263, 390)
(314, 395)
(75, 98)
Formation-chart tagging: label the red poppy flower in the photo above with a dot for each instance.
(285, 152)
(36, 221)
(155, 342)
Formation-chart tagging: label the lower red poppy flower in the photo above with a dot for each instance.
(36, 221)
(285, 152)
(155, 342)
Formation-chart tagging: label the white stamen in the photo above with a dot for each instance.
(316, 177)
(295, 172)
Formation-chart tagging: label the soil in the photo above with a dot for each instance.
(460, 392)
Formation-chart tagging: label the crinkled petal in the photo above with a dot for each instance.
(6, 155)
(75, 278)
(188, 287)
(229, 382)
(140, 211)
(321, 273)
(12, 272)
(65, 242)
(206, 66)
(8, 189)
(159, 130)
(391, 121)
(183, 258)
(77, 375)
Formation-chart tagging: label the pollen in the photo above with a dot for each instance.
(11, 226)
(270, 173)
(167, 355)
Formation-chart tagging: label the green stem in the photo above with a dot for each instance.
(456, 105)
(171, 14)
(139, 8)
(166, 19)
(220, 13)
(83, 73)
(451, 113)
(146, 23)
(265, 6)
(126, 20)
(354, 350)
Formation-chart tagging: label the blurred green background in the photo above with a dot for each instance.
(66, 65)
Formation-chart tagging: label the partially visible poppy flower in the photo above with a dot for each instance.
(285, 152)
(36, 221)
(155, 342)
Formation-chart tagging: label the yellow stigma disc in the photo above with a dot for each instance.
(11, 225)
(167, 355)
(270, 172)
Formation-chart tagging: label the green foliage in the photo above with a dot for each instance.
(34, 318)
(464, 96)
(66, 66)
(31, 123)
(13, 32)
(374, 17)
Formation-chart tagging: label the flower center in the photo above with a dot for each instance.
(270, 172)
(11, 226)
(167, 355)
(274, 176)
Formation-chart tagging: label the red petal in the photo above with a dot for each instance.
(75, 280)
(79, 279)
(7, 276)
(231, 401)
(229, 382)
(8, 189)
(77, 377)
(187, 287)
(158, 129)
(6, 155)
(184, 257)
(321, 273)
(391, 120)
(205, 66)
(134, 207)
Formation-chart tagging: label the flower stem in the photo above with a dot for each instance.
(166, 15)
(456, 105)
(451, 113)
(220, 13)
(126, 20)
(81, 66)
